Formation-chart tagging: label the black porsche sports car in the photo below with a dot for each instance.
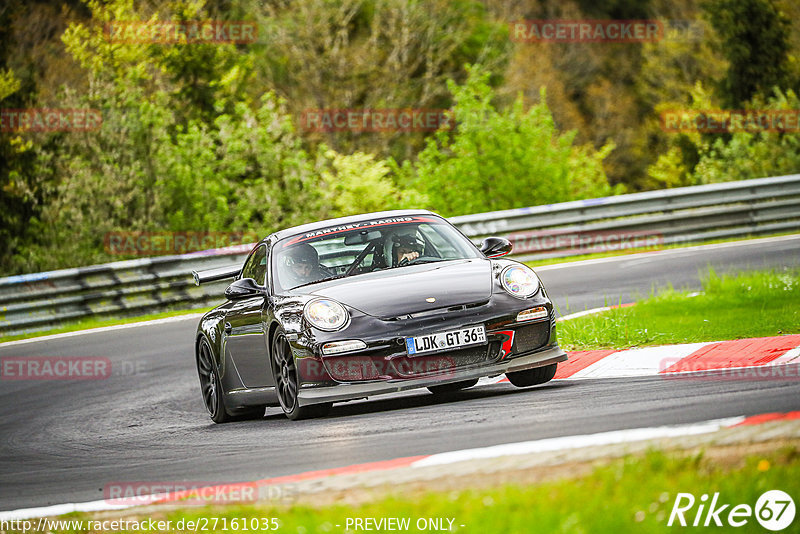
(377, 303)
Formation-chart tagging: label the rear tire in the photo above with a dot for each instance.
(452, 388)
(286, 383)
(211, 389)
(210, 385)
(533, 377)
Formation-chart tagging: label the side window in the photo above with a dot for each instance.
(256, 266)
(442, 247)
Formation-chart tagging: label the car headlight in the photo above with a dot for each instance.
(519, 281)
(326, 314)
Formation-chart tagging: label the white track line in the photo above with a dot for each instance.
(509, 449)
(576, 442)
(584, 312)
(60, 509)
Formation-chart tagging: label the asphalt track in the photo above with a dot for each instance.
(63, 441)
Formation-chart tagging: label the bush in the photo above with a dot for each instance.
(357, 183)
(748, 155)
(493, 160)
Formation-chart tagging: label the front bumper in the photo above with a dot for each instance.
(384, 366)
(350, 391)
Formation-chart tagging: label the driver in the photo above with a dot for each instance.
(303, 264)
(405, 249)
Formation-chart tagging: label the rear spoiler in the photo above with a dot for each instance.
(211, 275)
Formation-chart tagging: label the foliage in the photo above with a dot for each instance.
(755, 39)
(748, 155)
(357, 183)
(9, 84)
(164, 161)
(373, 54)
(669, 170)
(202, 136)
(159, 162)
(498, 159)
(694, 158)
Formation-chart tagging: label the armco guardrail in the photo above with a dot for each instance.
(39, 301)
(681, 215)
(691, 214)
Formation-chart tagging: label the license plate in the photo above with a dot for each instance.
(463, 337)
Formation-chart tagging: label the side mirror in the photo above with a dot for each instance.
(242, 289)
(494, 247)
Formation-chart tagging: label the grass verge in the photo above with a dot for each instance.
(94, 322)
(634, 494)
(748, 304)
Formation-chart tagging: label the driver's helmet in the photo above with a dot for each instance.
(402, 243)
(302, 263)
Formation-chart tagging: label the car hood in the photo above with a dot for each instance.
(404, 290)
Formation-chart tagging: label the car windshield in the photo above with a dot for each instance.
(365, 247)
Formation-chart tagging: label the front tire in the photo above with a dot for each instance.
(533, 377)
(286, 382)
(452, 388)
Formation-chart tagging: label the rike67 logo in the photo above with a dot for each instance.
(774, 510)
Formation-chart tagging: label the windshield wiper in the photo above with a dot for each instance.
(321, 280)
(428, 260)
(421, 261)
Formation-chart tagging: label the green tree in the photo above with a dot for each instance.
(166, 159)
(751, 154)
(358, 183)
(373, 54)
(755, 39)
(495, 160)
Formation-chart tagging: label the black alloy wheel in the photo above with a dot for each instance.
(286, 382)
(211, 388)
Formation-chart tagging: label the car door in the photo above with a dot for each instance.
(246, 340)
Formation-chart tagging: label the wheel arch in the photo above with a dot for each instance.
(202, 336)
(273, 327)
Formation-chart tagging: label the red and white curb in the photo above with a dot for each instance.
(686, 358)
(761, 356)
(412, 462)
